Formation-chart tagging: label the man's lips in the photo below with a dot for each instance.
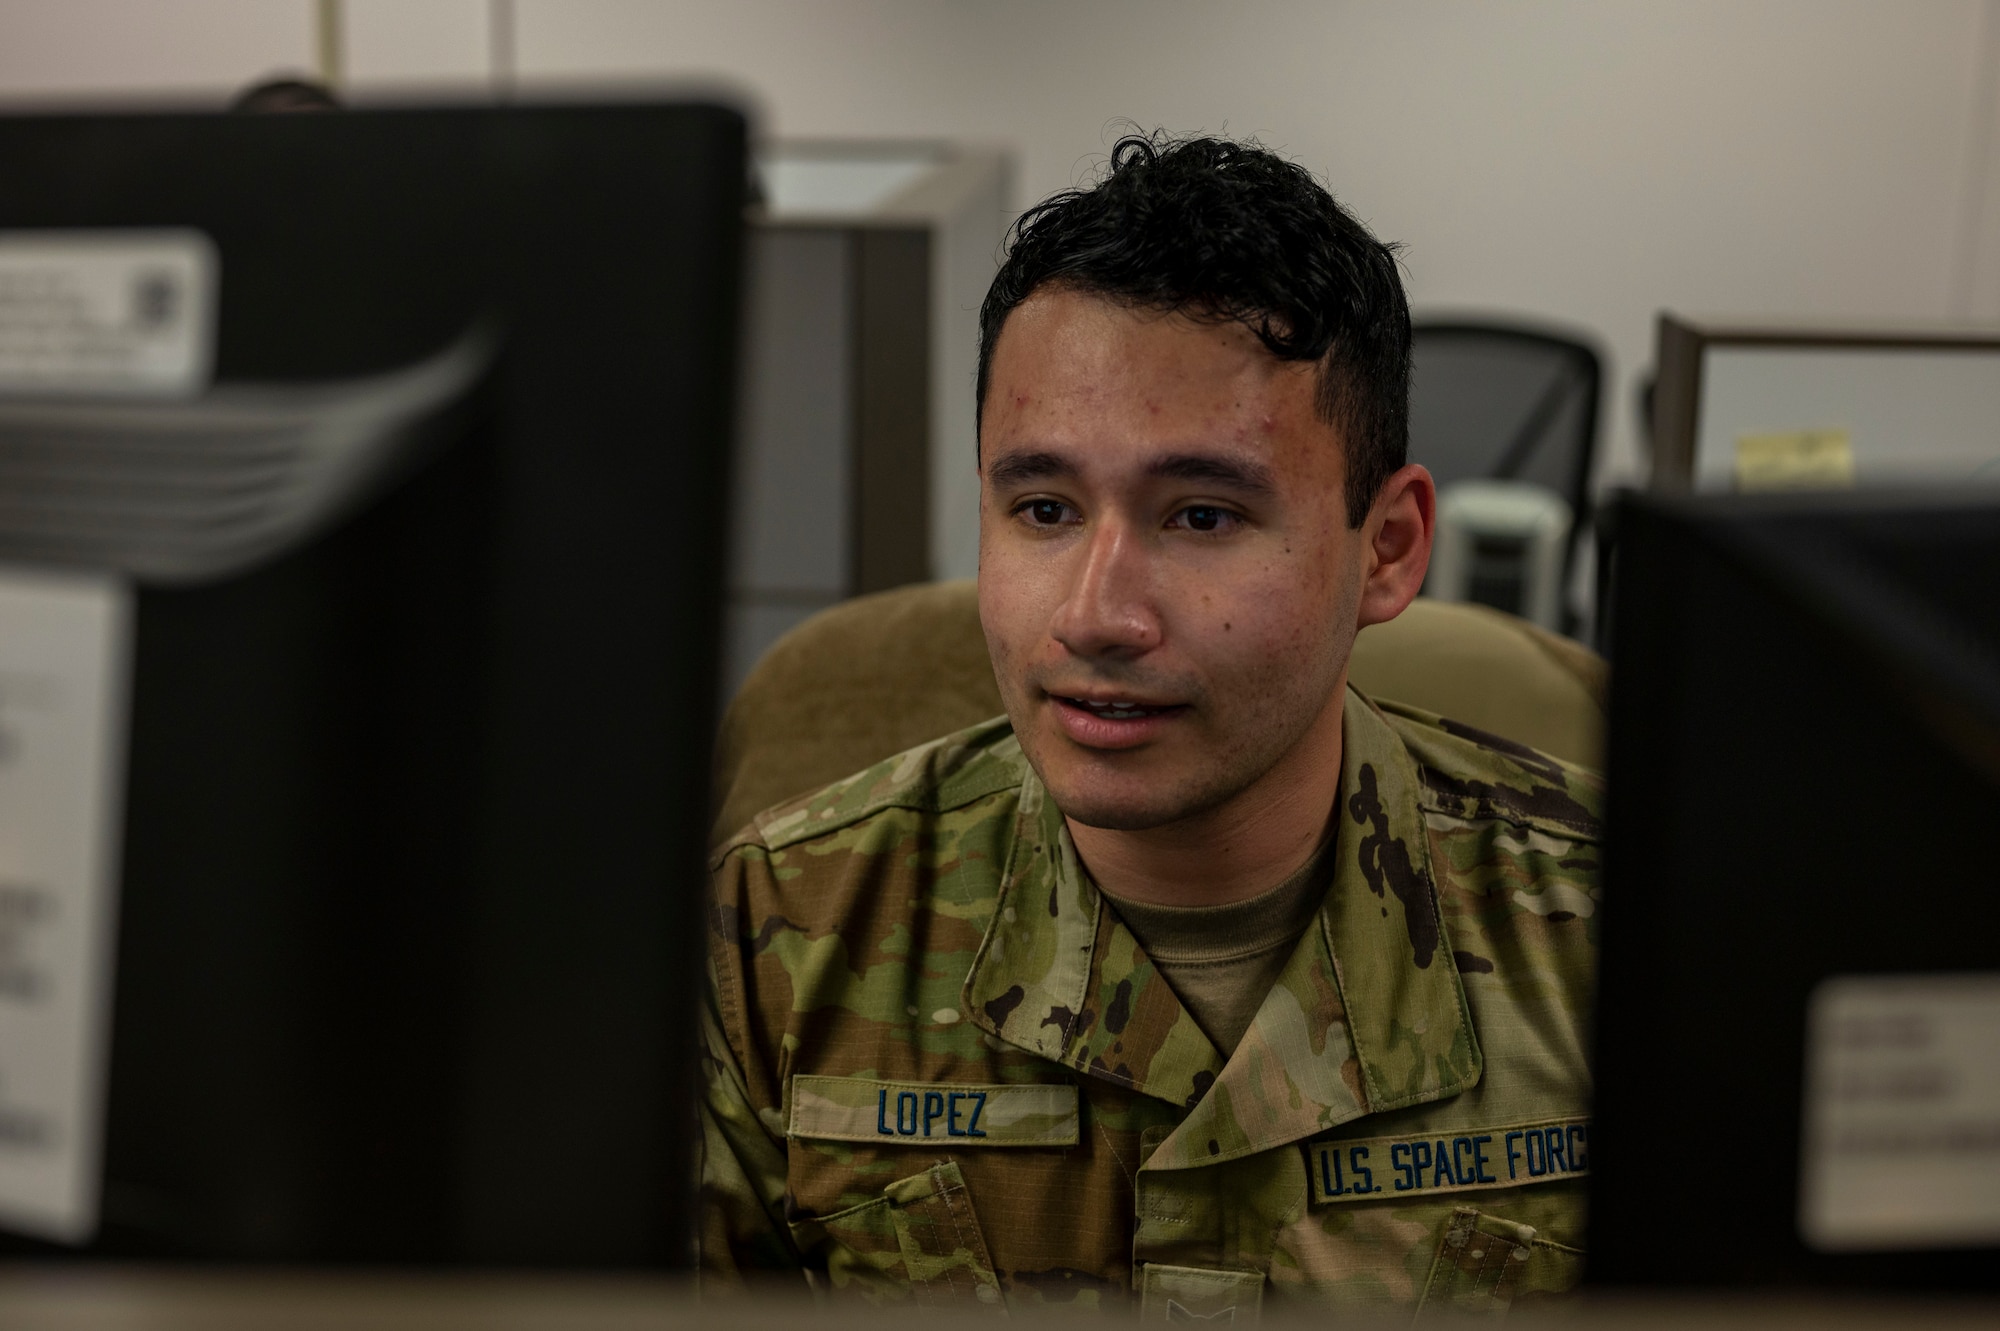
(1111, 722)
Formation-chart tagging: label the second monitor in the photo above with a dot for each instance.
(1798, 1031)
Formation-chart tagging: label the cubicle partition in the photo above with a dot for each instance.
(867, 265)
(1744, 406)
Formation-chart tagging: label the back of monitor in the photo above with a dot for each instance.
(1803, 756)
(422, 601)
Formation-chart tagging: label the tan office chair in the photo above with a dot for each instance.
(877, 675)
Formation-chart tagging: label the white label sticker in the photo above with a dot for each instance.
(113, 313)
(63, 643)
(1901, 1140)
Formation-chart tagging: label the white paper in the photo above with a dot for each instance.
(1901, 1140)
(63, 684)
(106, 313)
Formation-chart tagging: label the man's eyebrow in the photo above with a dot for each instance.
(1020, 468)
(1242, 474)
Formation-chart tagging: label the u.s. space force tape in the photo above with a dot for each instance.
(890, 1113)
(1450, 1160)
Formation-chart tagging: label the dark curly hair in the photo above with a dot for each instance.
(1233, 233)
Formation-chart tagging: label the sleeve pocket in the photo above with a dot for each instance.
(1484, 1263)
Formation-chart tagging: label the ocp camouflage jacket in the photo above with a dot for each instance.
(940, 1068)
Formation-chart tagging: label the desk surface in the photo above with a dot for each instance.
(54, 1298)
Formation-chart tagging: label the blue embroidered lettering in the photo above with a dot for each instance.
(1543, 1152)
(1364, 1177)
(1540, 1153)
(906, 1100)
(972, 1129)
(951, 1128)
(933, 1110)
(882, 1112)
(1442, 1173)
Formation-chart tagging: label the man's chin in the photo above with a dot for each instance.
(1133, 790)
(1090, 804)
(1118, 820)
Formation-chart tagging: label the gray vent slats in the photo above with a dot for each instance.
(191, 491)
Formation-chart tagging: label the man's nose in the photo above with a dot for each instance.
(1109, 609)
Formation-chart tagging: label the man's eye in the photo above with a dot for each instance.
(1204, 517)
(1045, 512)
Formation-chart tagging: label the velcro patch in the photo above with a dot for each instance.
(1464, 1160)
(905, 1113)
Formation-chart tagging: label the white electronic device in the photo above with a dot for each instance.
(1501, 543)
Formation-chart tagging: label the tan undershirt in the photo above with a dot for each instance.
(1221, 961)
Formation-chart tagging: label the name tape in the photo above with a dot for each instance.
(901, 1113)
(1345, 1171)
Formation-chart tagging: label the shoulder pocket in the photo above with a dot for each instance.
(1484, 1263)
(918, 1242)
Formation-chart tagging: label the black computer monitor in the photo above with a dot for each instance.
(420, 531)
(1798, 1028)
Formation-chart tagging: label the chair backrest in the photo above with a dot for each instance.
(883, 673)
(1504, 401)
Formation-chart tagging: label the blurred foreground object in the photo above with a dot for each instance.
(140, 1299)
(357, 643)
(1798, 1035)
(884, 673)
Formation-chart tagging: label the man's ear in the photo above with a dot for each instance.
(1399, 528)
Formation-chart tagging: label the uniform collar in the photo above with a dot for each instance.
(1059, 975)
(1367, 1015)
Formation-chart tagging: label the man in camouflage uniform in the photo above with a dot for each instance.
(1199, 982)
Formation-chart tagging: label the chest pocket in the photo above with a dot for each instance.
(1484, 1263)
(919, 1241)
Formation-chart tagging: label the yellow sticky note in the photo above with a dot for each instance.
(1794, 460)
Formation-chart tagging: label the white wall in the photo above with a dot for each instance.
(60, 50)
(1586, 161)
